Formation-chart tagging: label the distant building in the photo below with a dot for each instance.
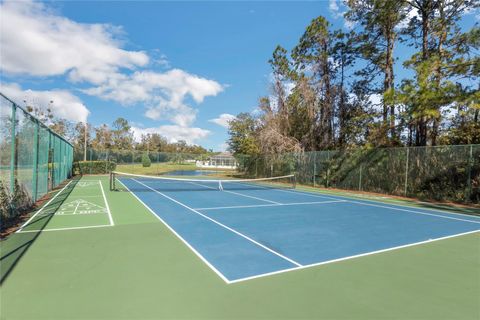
(224, 160)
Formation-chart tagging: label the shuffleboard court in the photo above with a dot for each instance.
(85, 206)
(248, 231)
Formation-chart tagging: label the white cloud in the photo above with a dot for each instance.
(334, 9)
(38, 42)
(223, 147)
(348, 24)
(338, 12)
(65, 105)
(223, 119)
(173, 133)
(163, 93)
(411, 14)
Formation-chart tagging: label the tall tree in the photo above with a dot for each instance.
(343, 53)
(311, 57)
(122, 137)
(242, 131)
(380, 20)
(440, 67)
(103, 138)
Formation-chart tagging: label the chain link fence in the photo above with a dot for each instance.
(444, 173)
(33, 159)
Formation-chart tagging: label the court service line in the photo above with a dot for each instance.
(240, 194)
(350, 199)
(413, 211)
(185, 242)
(272, 205)
(353, 256)
(222, 225)
(69, 228)
(389, 206)
(43, 207)
(110, 218)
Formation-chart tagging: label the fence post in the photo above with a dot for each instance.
(406, 171)
(328, 168)
(256, 167)
(469, 175)
(314, 167)
(91, 164)
(360, 179)
(12, 150)
(35, 161)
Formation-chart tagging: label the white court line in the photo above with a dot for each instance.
(106, 204)
(413, 211)
(69, 228)
(240, 194)
(349, 199)
(352, 257)
(272, 205)
(294, 268)
(387, 206)
(80, 196)
(178, 236)
(43, 207)
(76, 207)
(222, 225)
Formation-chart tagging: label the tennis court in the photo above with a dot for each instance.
(251, 228)
(154, 248)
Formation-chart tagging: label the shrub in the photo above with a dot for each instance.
(146, 162)
(93, 167)
(5, 202)
(12, 206)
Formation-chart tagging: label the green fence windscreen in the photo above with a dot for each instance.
(450, 173)
(447, 173)
(33, 159)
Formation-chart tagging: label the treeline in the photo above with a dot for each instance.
(118, 136)
(338, 89)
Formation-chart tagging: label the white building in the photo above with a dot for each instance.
(223, 160)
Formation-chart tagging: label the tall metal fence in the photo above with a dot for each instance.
(33, 158)
(449, 173)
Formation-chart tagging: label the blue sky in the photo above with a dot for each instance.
(169, 67)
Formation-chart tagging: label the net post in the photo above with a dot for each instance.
(314, 167)
(35, 161)
(112, 181)
(294, 181)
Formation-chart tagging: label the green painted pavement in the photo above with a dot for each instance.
(139, 269)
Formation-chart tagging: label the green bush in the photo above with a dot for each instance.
(93, 167)
(146, 162)
(13, 205)
(5, 202)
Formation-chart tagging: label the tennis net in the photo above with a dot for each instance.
(120, 181)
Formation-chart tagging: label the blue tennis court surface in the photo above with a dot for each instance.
(251, 232)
